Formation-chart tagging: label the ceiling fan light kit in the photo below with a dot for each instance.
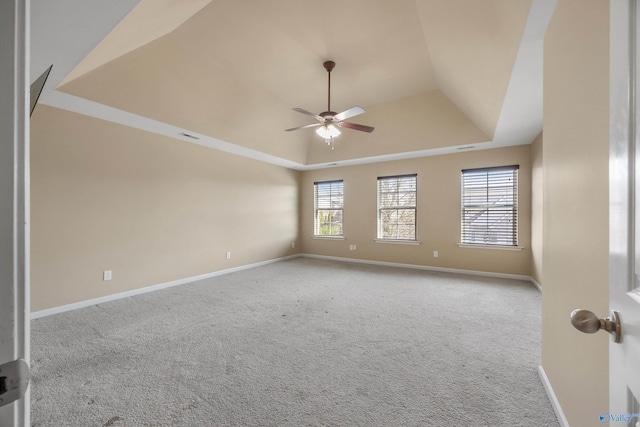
(328, 131)
(329, 121)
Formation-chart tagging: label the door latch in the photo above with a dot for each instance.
(14, 381)
(587, 322)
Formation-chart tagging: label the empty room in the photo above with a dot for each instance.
(349, 213)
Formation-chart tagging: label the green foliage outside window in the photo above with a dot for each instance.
(329, 203)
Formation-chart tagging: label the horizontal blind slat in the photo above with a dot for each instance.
(489, 206)
(329, 203)
(397, 199)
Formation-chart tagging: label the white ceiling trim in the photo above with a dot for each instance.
(520, 120)
(65, 31)
(100, 111)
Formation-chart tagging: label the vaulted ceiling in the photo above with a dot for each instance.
(435, 76)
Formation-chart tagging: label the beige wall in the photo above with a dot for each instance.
(438, 212)
(149, 208)
(575, 236)
(537, 204)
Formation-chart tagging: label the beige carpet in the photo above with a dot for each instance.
(304, 342)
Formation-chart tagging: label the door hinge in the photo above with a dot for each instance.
(14, 381)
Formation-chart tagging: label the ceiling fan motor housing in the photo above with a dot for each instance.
(329, 65)
(327, 114)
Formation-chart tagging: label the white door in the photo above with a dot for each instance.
(14, 228)
(624, 215)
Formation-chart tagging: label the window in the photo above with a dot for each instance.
(329, 204)
(490, 206)
(397, 207)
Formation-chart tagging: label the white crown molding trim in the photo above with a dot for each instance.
(520, 120)
(421, 267)
(64, 31)
(134, 292)
(519, 123)
(96, 110)
(555, 403)
(85, 107)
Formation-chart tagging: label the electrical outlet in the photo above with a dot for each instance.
(228, 255)
(352, 247)
(106, 275)
(435, 254)
(293, 245)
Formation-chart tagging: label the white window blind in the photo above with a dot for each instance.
(490, 206)
(397, 207)
(329, 206)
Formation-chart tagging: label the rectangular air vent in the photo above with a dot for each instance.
(188, 135)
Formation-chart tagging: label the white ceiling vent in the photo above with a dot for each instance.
(188, 135)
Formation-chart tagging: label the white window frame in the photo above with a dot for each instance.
(401, 202)
(330, 204)
(489, 207)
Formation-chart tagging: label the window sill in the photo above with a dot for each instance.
(398, 242)
(328, 237)
(493, 247)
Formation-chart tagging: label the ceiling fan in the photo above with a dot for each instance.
(329, 121)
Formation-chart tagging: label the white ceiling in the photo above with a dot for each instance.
(434, 75)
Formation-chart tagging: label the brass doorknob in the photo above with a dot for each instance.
(587, 322)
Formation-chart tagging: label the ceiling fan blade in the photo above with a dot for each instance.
(347, 114)
(308, 113)
(356, 126)
(304, 126)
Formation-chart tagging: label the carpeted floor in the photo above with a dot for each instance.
(304, 342)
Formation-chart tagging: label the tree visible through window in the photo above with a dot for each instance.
(329, 206)
(490, 206)
(397, 207)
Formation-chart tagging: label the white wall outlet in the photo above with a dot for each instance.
(352, 247)
(228, 255)
(293, 245)
(435, 254)
(106, 275)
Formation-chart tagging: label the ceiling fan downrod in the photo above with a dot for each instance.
(329, 66)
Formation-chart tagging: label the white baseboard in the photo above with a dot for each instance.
(536, 284)
(107, 298)
(423, 267)
(552, 397)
